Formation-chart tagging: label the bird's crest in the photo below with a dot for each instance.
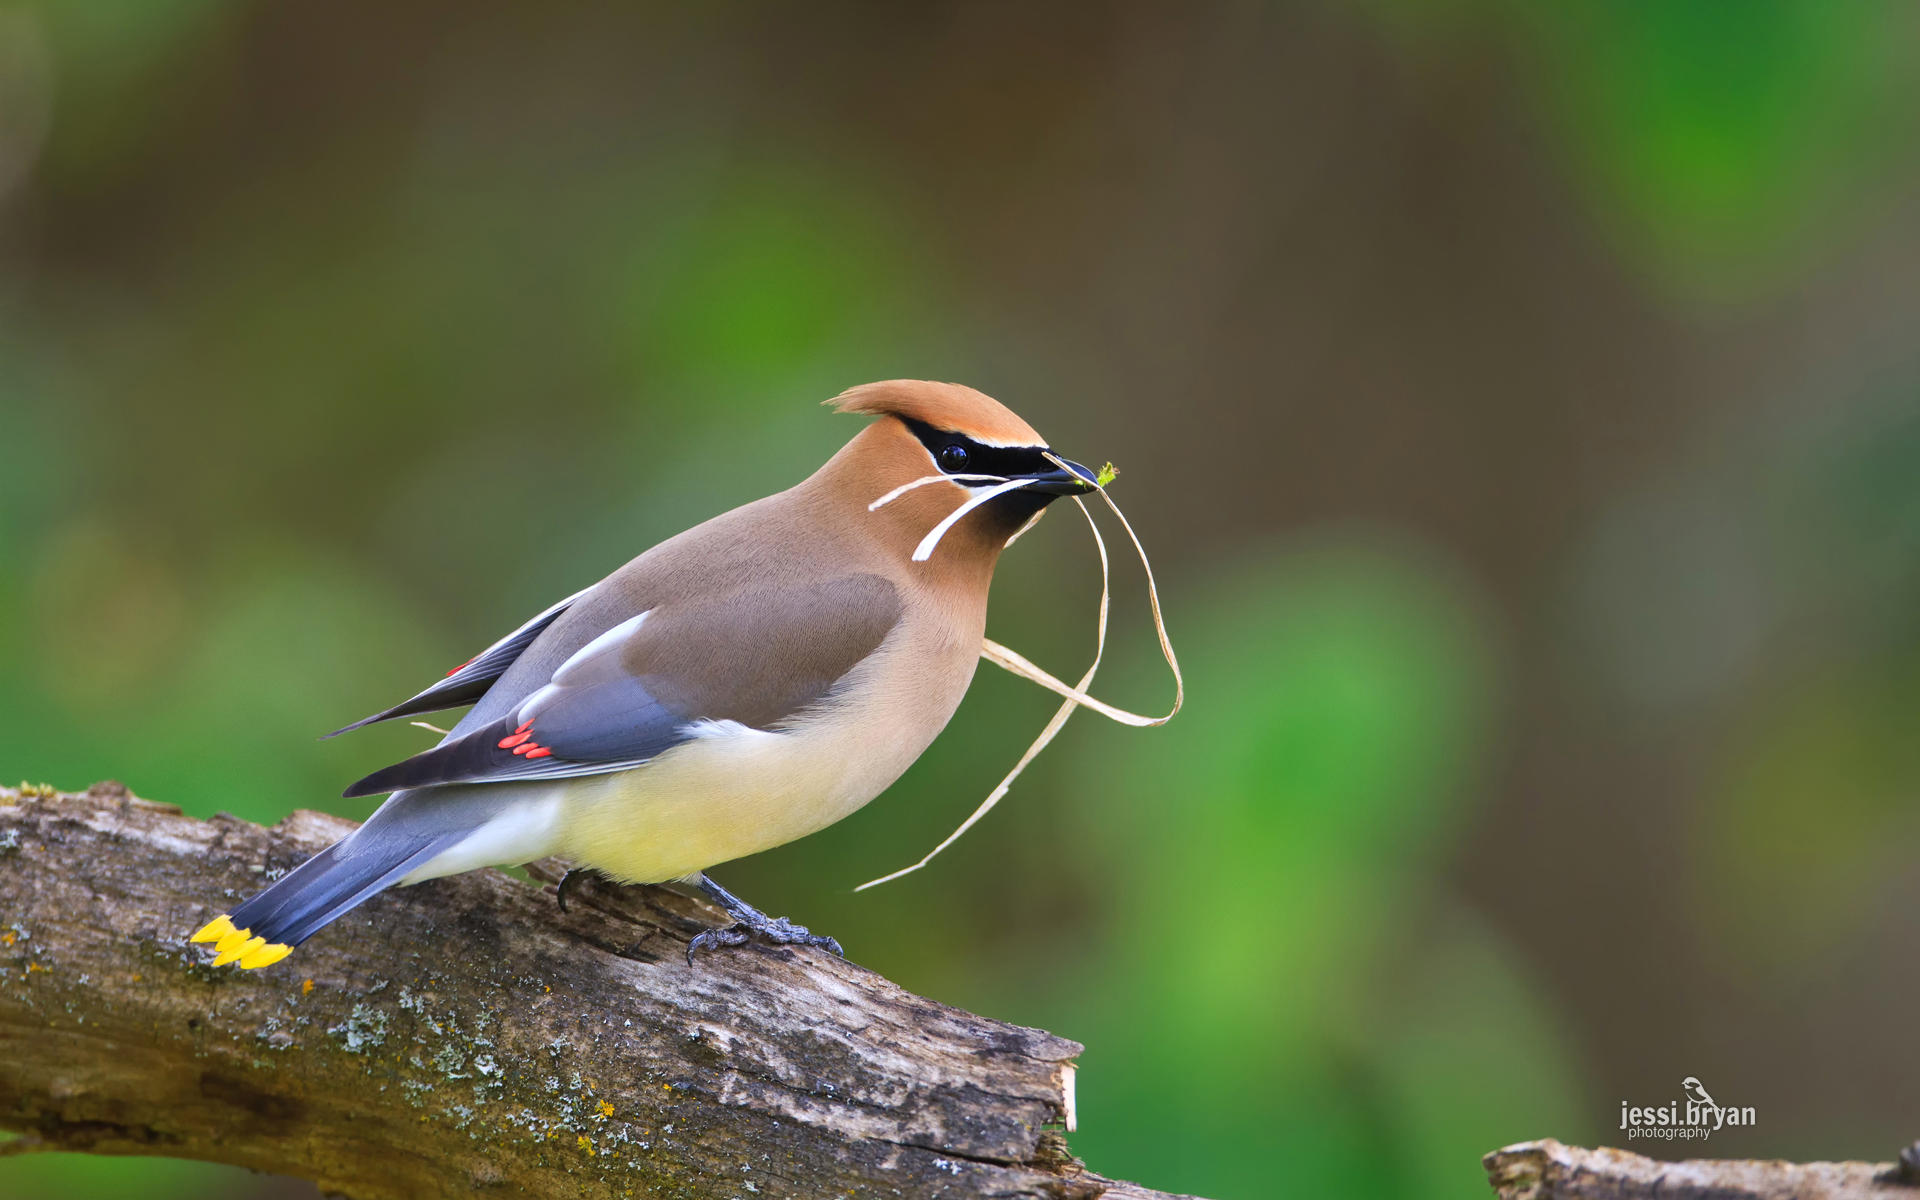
(953, 407)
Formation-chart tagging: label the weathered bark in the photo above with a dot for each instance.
(466, 1034)
(1547, 1170)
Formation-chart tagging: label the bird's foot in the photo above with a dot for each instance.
(749, 923)
(572, 879)
(778, 930)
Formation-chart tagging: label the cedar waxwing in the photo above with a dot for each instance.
(743, 684)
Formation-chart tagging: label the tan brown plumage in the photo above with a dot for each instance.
(952, 406)
(737, 686)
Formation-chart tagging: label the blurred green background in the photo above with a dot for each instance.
(1522, 402)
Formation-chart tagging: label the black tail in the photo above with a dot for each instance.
(329, 885)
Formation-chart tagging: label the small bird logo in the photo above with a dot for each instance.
(1697, 1092)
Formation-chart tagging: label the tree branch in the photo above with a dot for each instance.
(465, 1034)
(1547, 1170)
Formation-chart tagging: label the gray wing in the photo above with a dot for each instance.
(471, 679)
(637, 689)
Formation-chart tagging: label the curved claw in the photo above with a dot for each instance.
(571, 879)
(749, 922)
(778, 930)
(731, 935)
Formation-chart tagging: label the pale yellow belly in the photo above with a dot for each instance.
(725, 796)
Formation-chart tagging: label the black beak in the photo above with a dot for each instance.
(1076, 480)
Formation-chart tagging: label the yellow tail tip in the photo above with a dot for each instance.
(244, 948)
(231, 938)
(265, 956)
(214, 930)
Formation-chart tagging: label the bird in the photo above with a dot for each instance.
(1696, 1091)
(738, 686)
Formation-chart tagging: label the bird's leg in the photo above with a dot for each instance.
(748, 922)
(571, 880)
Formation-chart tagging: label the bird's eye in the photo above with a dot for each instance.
(953, 457)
